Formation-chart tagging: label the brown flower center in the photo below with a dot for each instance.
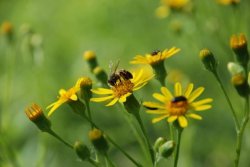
(123, 87)
(178, 106)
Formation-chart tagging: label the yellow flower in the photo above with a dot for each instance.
(64, 96)
(155, 57)
(228, 2)
(178, 106)
(122, 89)
(175, 4)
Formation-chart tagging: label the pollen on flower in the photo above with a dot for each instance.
(123, 87)
(178, 106)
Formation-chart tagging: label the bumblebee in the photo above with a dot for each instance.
(119, 76)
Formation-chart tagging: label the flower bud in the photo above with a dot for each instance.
(166, 149)
(35, 114)
(240, 83)
(85, 83)
(208, 60)
(82, 150)
(239, 46)
(158, 142)
(235, 68)
(7, 30)
(90, 57)
(100, 75)
(98, 140)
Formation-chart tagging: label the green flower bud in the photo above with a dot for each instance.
(167, 149)
(82, 150)
(35, 114)
(85, 83)
(208, 60)
(100, 75)
(239, 46)
(98, 140)
(90, 57)
(240, 83)
(158, 142)
(7, 30)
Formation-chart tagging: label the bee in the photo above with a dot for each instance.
(118, 75)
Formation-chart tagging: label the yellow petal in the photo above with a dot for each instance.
(62, 91)
(194, 116)
(73, 97)
(100, 99)
(182, 121)
(172, 118)
(189, 90)
(160, 97)
(203, 107)
(55, 106)
(178, 89)
(201, 102)
(166, 93)
(124, 98)
(153, 105)
(159, 118)
(157, 112)
(102, 91)
(112, 102)
(195, 94)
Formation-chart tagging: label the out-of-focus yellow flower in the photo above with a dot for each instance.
(122, 89)
(176, 76)
(178, 106)
(175, 4)
(65, 96)
(167, 5)
(155, 57)
(7, 28)
(228, 2)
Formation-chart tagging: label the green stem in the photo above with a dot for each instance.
(115, 144)
(151, 151)
(126, 154)
(108, 161)
(179, 131)
(93, 162)
(51, 132)
(240, 133)
(89, 114)
(237, 125)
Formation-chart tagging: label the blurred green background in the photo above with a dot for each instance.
(115, 30)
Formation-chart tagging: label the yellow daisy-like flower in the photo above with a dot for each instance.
(178, 106)
(64, 96)
(155, 57)
(122, 89)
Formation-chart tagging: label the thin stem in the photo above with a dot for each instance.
(126, 154)
(51, 132)
(151, 151)
(176, 157)
(108, 161)
(240, 133)
(93, 162)
(115, 144)
(237, 125)
(89, 113)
